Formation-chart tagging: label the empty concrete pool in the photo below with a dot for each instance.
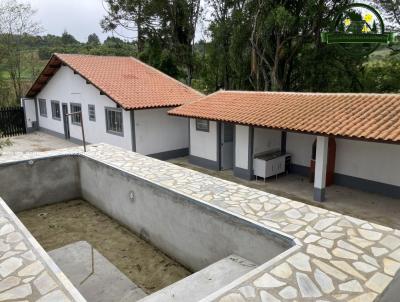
(119, 237)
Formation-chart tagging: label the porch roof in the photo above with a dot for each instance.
(374, 117)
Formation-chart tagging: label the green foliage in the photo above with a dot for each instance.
(382, 75)
(4, 142)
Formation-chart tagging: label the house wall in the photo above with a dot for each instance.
(159, 134)
(266, 140)
(203, 146)
(67, 87)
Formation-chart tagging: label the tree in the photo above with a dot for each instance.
(93, 39)
(68, 39)
(16, 22)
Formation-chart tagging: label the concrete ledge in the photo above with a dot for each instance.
(202, 162)
(242, 173)
(170, 154)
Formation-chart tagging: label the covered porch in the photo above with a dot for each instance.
(373, 207)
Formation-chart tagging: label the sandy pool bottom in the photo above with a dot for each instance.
(56, 226)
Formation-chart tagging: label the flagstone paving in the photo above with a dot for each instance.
(336, 257)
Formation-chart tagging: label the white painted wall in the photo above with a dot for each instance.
(300, 147)
(266, 140)
(156, 131)
(203, 144)
(242, 146)
(67, 87)
(367, 160)
(30, 111)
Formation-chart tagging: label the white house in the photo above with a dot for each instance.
(348, 139)
(123, 101)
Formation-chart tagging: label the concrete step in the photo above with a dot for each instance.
(202, 283)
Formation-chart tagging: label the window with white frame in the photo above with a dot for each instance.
(42, 107)
(55, 110)
(76, 118)
(92, 113)
(202, 125)
(114, 122)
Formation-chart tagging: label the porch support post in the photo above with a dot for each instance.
(321, 161)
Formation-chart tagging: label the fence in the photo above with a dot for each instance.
(12, 121)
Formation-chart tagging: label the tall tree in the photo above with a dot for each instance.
(93, 39)
(16, 22)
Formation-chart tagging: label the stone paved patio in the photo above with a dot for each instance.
(336, 257)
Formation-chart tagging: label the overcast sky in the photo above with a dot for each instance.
(79, 17)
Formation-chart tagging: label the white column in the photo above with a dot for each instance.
(321, 161)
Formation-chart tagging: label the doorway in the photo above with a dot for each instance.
(227, 148)
(65, 120)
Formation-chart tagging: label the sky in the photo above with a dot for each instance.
(79, 17)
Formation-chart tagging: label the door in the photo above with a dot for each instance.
(65, 120)
(227, 132)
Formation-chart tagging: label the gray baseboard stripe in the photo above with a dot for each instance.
(202, 162)
(170, 154)
(61, 135)
(30, 129)
(242, 173)
(357, 183)
(367, 185)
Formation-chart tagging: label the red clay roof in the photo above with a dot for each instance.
(360, 116)
(127, 81)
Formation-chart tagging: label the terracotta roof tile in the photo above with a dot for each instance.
(361, 116)
(126, 80)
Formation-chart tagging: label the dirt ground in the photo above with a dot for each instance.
(60, 224)
(36, 142)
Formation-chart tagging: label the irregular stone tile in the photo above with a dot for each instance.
(9, 254)
(351, 286)
(341, 253)
(311, 238)
(310, 230)
(9, 266)
(268, 281)
(362, 243)
(328, 243)
(307, 287)
(355, 220)
(367, 297)
(256, 206)
(310, 217)
(378, 282)
(27, 280)
(267, 297)
(390, 242)
(6, 229)
(344, 266)
(300, 261)
(330, 270)
(345, 223)
(352, 233)
(270, 224)
(59, 296)
(379, 251)
(9, 282)
(367, 226)
(332, 236)
(364, 267)
(282, 271)
(288, 292)
(370, 260)
(18, 292)
(347, 246)
(324, 281)
(21, 247)
(293, 213)
(324, 223)
(248, 291)
(318, 251)
(14, 237)
(340, 297)
(300, 234)
(395, 255)
(4, 247)
(381, 227)
(291, 228)
(32, 269)
(44, 283)
(370, 235)
(334, 228)
(390, 266)
(29, 255)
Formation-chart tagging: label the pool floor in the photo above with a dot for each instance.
(62, 224)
